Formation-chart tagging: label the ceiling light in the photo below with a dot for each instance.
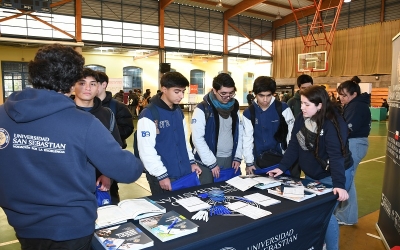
(347, 1)
(219, 4)
(278, 17)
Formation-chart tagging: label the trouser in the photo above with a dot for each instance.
(332, 232)
(155, 184)
(43, 244)
(206, 176)
(347, 211)
(114, 193)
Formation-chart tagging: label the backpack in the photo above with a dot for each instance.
(156, 117)
(281, 134)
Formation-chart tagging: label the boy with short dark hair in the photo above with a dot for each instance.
(304, 81)
(163, 145)
(260, 137)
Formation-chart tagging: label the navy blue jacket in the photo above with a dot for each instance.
(205, 134)
(167, 153)
(329, 148)
(358, 116)
(48, 150)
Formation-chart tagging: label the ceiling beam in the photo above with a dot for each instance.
(227, 6)
(59, 3)
(277, 5)
(165, 3)
(241, 7)
(306, 12)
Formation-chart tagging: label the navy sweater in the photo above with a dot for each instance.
(329, 148)
(358, 116)
(47, 180)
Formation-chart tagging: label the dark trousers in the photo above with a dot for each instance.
(155, 184)
(44, 244)
(114, 193)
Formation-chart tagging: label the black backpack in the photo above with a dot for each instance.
(281, 134)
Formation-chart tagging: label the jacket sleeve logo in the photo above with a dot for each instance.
(145, 134)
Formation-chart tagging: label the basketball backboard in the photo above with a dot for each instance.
(314, 61)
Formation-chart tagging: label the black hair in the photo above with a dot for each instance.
(174, 79)
(102, 77)
(264, 83)
(223, 80)
(329, 111)
(304, 79)
(90, 72)
(56, 67)
(351, 86)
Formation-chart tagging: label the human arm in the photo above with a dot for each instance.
(106, 154)
(105, 183)
(165, 184)
(239, 149)
(124, 121)
(196, 168)
(289, 118)
(248, 139)
(275, 172)
(146, 139)
(198, 127)
(188, 147)
(342, 193)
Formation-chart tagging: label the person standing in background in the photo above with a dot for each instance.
(357, 114)
(304, 81)
(250, 97)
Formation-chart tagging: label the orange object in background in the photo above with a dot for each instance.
(193, 89)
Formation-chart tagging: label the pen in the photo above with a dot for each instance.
(172, 225)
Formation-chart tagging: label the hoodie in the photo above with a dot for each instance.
(47, 176)
(358, 116)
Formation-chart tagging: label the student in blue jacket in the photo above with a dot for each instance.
(358, 117)
(319, 143)
(261, 137)
(49, 152)
(217, 130)
(163, 145)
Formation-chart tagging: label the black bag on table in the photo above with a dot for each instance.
(268, 158)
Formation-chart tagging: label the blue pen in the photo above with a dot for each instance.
(172, 225)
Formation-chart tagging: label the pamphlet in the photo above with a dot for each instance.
(193, 204)
(244, 183)
(127, 209)
(261, 199)
(248, 210)
(125, 236)
(291, 195)
(168, 226)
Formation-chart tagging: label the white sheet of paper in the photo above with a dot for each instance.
(262, 199)
(193, 204)
(248, 210)
(242, 183)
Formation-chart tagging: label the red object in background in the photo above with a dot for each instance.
(193, 89)
(126, 97)
(395, 248)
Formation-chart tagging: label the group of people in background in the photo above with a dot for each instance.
(320, 137)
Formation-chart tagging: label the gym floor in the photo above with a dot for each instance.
(369, 179)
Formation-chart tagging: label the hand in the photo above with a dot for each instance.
(215, 171)
(166, 184)
(235, 165)
(105, 183)
(275, 172)
(196, 168)
(249, 170)
(343, 195)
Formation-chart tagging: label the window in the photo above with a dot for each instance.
(132, 78)
(15, 77)
(248, 79)
(197, 78)
(96, 67)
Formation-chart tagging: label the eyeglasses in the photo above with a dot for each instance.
(226, 95)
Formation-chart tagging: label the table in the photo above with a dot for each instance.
(378, 113)
(292, 225)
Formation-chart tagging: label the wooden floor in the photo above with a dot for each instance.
(351, 237)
